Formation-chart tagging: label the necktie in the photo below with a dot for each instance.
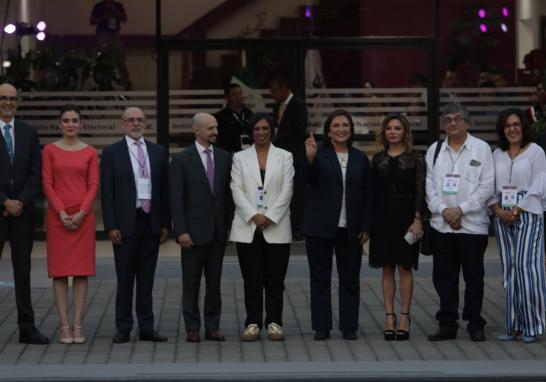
(9, 142)
(210, 169)
(282, 108)
(143, 173)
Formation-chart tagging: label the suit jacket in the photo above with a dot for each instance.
(118, 189)
(195, 209)
(325, 192)
(277, 187)
(292, 129)
(21, 179)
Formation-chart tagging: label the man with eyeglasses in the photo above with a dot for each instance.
(460, 180)
(20, 186)
(134, 195)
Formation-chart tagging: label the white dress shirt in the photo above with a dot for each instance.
(133, 154)
(474, 163)
(522, 172)
(201, 149)
(11, 131)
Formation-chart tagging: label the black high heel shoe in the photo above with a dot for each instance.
(403, 335)
(390, 334)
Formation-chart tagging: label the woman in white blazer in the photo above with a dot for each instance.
(261, 184)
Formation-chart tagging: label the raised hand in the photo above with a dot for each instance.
(311, 148)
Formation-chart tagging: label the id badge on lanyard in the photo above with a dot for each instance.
(451, 184)
(260, 198)
(509, 197)
(144, 188)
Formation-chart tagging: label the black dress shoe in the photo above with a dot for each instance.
(477, 335)
(120, 338)
(321, 335)
(33, 337)
(350, 336)
(151, 335)
(215, 335)
(443, 335)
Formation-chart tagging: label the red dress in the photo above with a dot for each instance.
(71, 181)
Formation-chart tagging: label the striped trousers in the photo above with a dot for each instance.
(521, 248)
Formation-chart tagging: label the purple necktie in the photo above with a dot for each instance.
(143, 173)
(210, 169)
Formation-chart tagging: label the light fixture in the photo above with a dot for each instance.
(40, 36)
(482, 13)
(10, 28)
(505, 11)
(504, 27)
(483, 28)
(6, 64)
(41, 26)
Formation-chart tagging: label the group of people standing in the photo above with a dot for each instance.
(208, 197)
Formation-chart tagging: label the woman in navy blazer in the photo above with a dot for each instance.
(337, 215)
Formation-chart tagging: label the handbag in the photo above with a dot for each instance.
(426, 240)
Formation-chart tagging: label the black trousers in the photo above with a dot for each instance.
(136, 260)
(348, 260)
(19, 233)
(453, 251)
(207, 259)
(263, 266)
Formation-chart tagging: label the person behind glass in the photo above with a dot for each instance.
(399, 183)
(337, 215)
(459, 184)
(70, 176)
(261, 185)
(519, 225)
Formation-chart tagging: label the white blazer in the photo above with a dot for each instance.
(277, 186)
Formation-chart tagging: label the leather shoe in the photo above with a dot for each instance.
(120, 338)
(477, 335)
(442, 335)
(321, 335)
(193, 336)
(151, 335)
(33, 337)
(214, 335)
(350, 336)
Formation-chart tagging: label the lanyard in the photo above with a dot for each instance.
(512, 158)
(456, 159)
(143, 164)
(241, 122)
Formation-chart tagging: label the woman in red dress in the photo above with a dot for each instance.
(70, 176)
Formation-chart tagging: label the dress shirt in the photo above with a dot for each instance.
(522, 172)
(134, 162)
(201, 149)
(474, 163)
(343, 159)
(11, 131)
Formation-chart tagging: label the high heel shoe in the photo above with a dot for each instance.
(403, 335)
(65, 335)
(390, 334)
(79, 336)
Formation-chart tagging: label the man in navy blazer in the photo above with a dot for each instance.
(20, 185)
(202, 210)
(134, 195)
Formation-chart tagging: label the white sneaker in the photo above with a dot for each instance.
(252, 333)
(274, 332)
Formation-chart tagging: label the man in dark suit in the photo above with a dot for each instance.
(232, 119)
(134, 178)
(202, 211)
(290, 117)
(20, 185)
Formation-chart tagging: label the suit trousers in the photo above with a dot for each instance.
(136, 260)
(453, 251)
(208, 260)
(348, 261)
(19, 232)
(263, 266)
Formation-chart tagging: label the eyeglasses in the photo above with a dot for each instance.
(515, 125)
(457, 120)
(134, 120)
(9, 99)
